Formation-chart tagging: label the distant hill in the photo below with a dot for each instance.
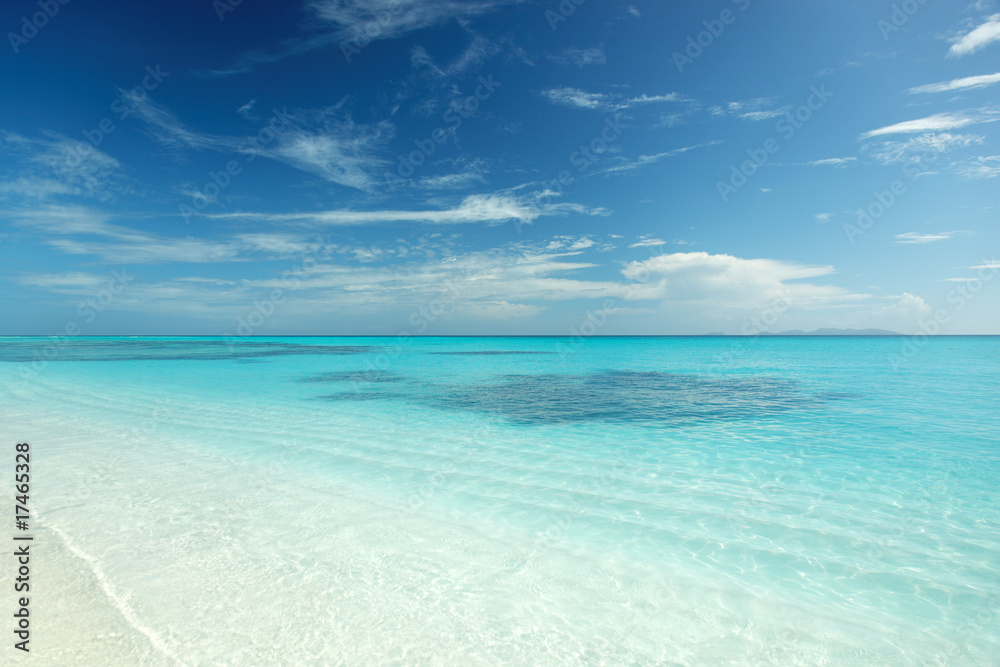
(836, 332)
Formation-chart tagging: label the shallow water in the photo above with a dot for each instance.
(511, 500)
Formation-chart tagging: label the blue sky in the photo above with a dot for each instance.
(499, 167)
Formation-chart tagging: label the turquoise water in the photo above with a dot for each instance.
(512, 500)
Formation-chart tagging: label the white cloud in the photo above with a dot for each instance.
(625, 164)
(118, 244)
(59, 166)
(762, 115)
(490, 208)
(823, 217)
(937, 122)
(918, 238)
(833, 162)
(756, 109)
(981, 166)
(325, 142)
(581, 99)
(648, 242)
(891, 152)
(353, 24)
(977, 38)
(699, 273)
(574, 97)
(967, 83)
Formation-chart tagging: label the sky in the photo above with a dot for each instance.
(498, 167)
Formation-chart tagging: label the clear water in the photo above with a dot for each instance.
(619, 501)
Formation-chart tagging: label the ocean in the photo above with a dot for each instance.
(487, 501)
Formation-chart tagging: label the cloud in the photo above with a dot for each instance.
(980, 166)
(891, 152)
(762, 115)
(335, 149)
(580, 57)
(324, 142)
(118, 244)
(479, 50)
(497, 310)
(626, 165)
(729, 290)
(580, 99)
(937, 122)
(353, 24)
(247, 109)
(967, 83)
(833, 162)
(918, 238)
(823, 217)
(574, 97)
(976, 38)
(752, 110)
(493, 209)
(59, 166)
(647, 242)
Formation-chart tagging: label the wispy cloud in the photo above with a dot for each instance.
(356, 23)
(756, 109)
(977, 38)
(966, 83)
(580, 57)
(478, 51)
(648, 242)
(116, 243)
(936, 123)
(891, 152)
(58, 166)
(325, 142)
(625, 164)
(581, 99)
(574, 97)
(918, 238)
(980, 166)
(833, 162)
(492, 209)
(247, 109)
